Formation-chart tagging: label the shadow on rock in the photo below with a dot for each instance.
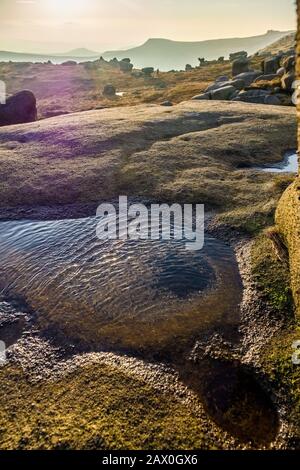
(234, 399)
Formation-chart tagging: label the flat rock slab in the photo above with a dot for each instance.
(147, 150)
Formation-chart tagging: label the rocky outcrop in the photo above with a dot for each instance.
(18, 109)
(273, 87)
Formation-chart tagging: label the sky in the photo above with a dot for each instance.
(60, 25)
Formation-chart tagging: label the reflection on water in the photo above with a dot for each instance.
(123, 294)
(288, 165)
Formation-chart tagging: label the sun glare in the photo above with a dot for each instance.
(64, 7)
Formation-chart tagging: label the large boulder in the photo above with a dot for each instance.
(252, 96)
(240, 66)
(224, 93)
(18, 109)
(288, 222)
(248, 77)
(271, 65)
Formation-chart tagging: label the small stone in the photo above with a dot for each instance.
(166, 103)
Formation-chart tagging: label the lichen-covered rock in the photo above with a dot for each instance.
(288, 221)
(19, 108)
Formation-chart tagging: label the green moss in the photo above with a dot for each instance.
(273, 279)
(277, 363)
(96, 407)
(271, 275)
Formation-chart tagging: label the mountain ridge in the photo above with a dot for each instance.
(168, 54)
(162, 53)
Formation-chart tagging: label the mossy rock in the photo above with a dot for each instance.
(288, 221)
(98, 407)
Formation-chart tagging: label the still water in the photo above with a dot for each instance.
(124, 294)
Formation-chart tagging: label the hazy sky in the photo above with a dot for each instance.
(59, 25)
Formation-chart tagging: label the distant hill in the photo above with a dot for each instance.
(166, 54)
(6, 56)
(81, 52)
(283, 44)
